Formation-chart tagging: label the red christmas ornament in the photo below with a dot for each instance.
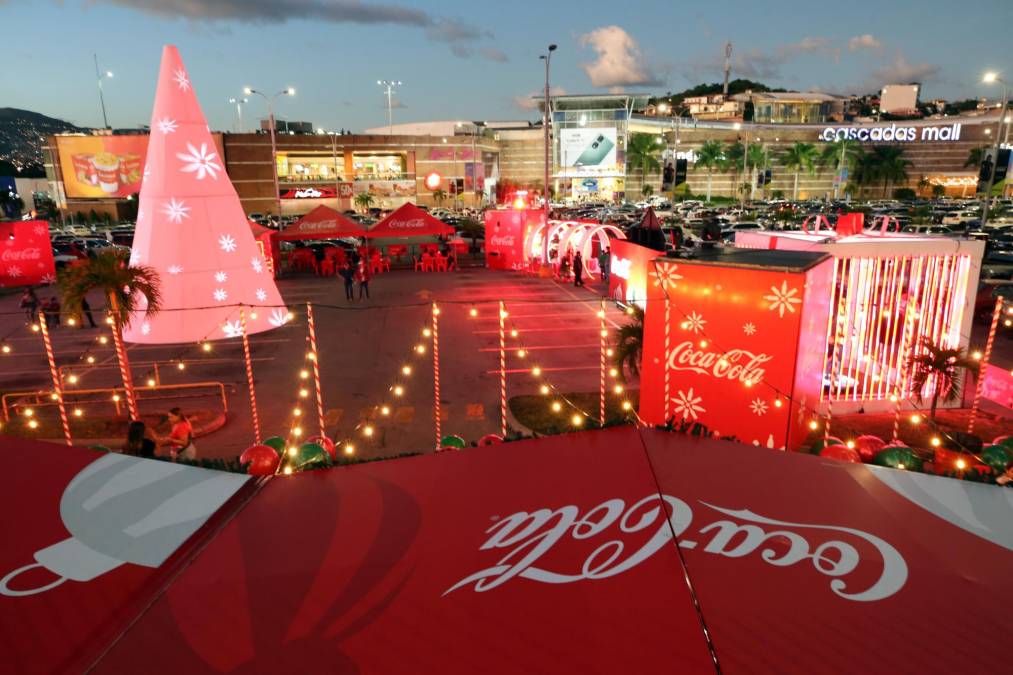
(490, 439)
(326, 443)
(263, 460)
(868, 446)
(841, 453)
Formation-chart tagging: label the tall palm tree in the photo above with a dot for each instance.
(923, 185)
(733, 155)
(711, 156)
(800, 157)
(123, 284)
(756, 158)
(438, 196)
(939, 367)
(891, 167)
(364, 200)
(642, 152)
(841, 154)
(629, 349)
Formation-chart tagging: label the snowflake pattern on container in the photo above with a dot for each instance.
(665, 276)
(261, 294)
(221, 295)
(278, 317)
(227, 243)
(200, 161)
(40, 230)
(749, 328)
(221, 277)
(176, 211)
(782, 299)
(166, 125)
(695, 322)
(182, 80)
(175, 269)
(758, 406)
(145, 328)
(232, 329)
(687, 404)
(48, 279)
(258, 266)
(14, 271)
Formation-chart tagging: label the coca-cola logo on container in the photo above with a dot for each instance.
(608, 530)
(22, 254)
(506, 240)
(736, 364)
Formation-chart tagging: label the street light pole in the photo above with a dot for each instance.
(390, 84)
(987, 199)
(99, 75)
(546, 120)
(239, 112)
(288, 91)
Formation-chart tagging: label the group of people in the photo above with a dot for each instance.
(179, 443)
(355, 272)
(50, 307)
(573, 261)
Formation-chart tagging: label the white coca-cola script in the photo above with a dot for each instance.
(735, 364)
(414, 223)
(831, 550)
(505, 240)
(22, 254)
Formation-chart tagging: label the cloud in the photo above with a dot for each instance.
(530, 101)
(866, 41)
(494, 55)
(901, 71)
(620, 62)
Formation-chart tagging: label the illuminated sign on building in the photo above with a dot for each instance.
(892, 133)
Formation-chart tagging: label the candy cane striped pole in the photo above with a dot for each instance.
(121, 357)
(999, 302)
(436, 372)
(603, 333)
(57, 385)
(249, 376)
(316, 365)
(905, 352)
(668, 346)
(502, 369)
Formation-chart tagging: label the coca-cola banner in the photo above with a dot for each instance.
(505, 235)
(629, 267)
(732, 353)
(26, 254)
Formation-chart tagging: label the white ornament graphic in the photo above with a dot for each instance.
(14, 271)
(221, 277)
(176, 211)
(782, 298)
(40, 230)
(695, 322)
(175, 269)
(166, 125)
(261, 294)
(758, 406)
(665, 276)
(749, 328)
(227, 243)
(688, 404)
(258, 266)
(278, 317)
(145, 328)
(200, 161)
(221, 295)
(181, 80)
(232, 329)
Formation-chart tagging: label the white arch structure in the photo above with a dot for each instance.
(573, 234)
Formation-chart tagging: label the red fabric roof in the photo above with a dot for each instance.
(323, 222)
(409, 221)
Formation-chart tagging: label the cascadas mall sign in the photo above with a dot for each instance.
(892, 134)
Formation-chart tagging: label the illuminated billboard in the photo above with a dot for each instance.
(589, 151)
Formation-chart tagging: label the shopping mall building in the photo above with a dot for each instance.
(472, 163)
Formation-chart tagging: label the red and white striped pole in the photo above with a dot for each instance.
(436, 373)
(603, 333)
(121, 356)
(316, 365)
(502, 370)
(249, 376)
(983, 366)
(668, 348)
(57, 385)
(906, 339)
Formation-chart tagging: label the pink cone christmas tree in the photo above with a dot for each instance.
(191, 228)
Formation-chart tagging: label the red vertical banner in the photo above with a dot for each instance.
(629, 267)
(26, 254)
(734, 348)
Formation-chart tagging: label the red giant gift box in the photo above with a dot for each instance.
(745, 341)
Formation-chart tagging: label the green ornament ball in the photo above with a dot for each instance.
(452, 441)
(311, 454)
(277, 443)
(898, 457)
(996, 457)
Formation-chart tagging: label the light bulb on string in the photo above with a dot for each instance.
(385, 410)
(297, 412)
(35, 328)
(6, 349)
(303, 393)
(421, 349)
(627, 405)
(109, 320)
(349, 449)
(253, 315)
(521, 353)
(206, 346)
(544, 389)
(71, 321)
(90, 359)
(406, 370)
(78, 412)
(576, 420)
(287, 471)
(398, 390)
(304, 374)
(367, 430)
(513, 333)
(609, 352)
(310, 356)
(814, 425)
(28, 412)
(33, 424)
(960, 464)
(290, 316)
(181, 366)
(102, 339)
(536, 371)
(472, 312)
(916, 418)
(426, 332)
(613, 372)
(618, 389)
(556, 406)
(151, 382)
(72, 379)
(297, 431)
(936, 442)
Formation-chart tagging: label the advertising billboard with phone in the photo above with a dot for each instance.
(587, 148)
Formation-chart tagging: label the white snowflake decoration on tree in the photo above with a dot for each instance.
(279, 317)
(665, 276)
(258, 266)
(221, 295)
(14, 271)
(221, 277)
(782, 299)
(688, 404)
(200, 161)
(175, 269)
(261, 294)
(227, 243)
(166, 125)
(176, 211)
(145, 328)
(182, 80)
(232, 329)
(749, 328)
(758, 406)
(695, 322)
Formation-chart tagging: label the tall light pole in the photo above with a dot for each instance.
(991, 78)
(389, 90)
(288, 91)
(99, 76)
(239, 112)
(546, 121)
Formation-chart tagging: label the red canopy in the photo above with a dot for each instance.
(323, 222)
(409, 221)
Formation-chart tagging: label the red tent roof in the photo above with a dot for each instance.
(259, 230)
(409, 221)
(323, 222)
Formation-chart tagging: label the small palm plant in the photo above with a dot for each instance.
(439, 195)
(629, 349)
(364, 200)
(938, 367)
(123, 285)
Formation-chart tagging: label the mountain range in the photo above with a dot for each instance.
(22, 135)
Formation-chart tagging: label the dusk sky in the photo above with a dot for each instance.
(478, 60)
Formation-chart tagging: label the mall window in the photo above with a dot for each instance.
(310, 168)
(380, 166)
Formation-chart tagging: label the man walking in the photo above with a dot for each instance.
(578, 269)
(604, 262)
(362, 276)
(348, 274)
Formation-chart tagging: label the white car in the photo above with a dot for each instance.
(961, 217)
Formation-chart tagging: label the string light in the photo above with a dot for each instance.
(304, 374)
(577, 420)
(287, 471)
(206, 346)
(609, 352)
(78, 412)
(556, 406)
(536, 371)
(976, 355)
(544, 389)
(290, 316)
(151, 382)
(778, 403)
(303, 393)
(32, 424)
(426, 332)
(613, 372)
(961, 464)
(349, 449)
(521, 353)
(181, 366)
(627, 405)
(297, 412)
(513, 333)
(618, 389)
(703, 344)
(367, 430)
(90, 359)
(406, 370)
(916, 418)
(6, 349)
(385, 410)
(936, 442)
(421, 349)
(102, 339)
(398, 390)
(473, 312)
(35, 328)
(71, 321)
(72, 379)
(311, 356)
(850, 444)
(253, 315)
(116, 398)
(814, 425)
(109, 320)
(28, 412)
(297, 431)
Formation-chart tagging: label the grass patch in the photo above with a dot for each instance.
(536, 413)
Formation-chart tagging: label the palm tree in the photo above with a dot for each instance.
(364, 200)
(756, 158)
(710, 156)
(938, 191)
(438, 196)
(840, 154)
(733, 155)
(642, 152)
(891, 167)
(923, 185)
(939, 367)
(123, 284)
(797, 158)
(629, 349)
(646, 190)
(974, 157)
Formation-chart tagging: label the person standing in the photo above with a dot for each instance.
(86, 312)
(180, 440)
(138, 443)
(578, 269)
(348, 274)
(604, 264)
(29, 303)
(362, 276)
